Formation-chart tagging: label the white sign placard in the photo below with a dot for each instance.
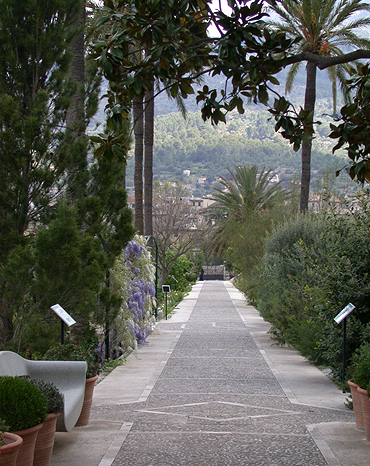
(60, 312)
(344, 313)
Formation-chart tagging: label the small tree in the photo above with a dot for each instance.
(176, 225)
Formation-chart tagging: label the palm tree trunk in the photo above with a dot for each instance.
(148, 162)
(309, 104)
(75, 117)
(138, 174)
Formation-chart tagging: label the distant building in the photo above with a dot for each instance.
(186, 172)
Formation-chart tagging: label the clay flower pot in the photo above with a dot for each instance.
(45, 441)
(365, 410)
(9, 451)
(357, 405)
(83, 420)
(27, 450)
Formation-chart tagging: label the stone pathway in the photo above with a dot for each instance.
(215, 400)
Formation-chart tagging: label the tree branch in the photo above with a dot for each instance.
(323, 62)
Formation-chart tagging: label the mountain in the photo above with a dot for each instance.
(192, 145)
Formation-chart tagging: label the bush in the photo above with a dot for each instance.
(344, 278)
(181, 273)
(72, 352)
(52, 395)
(3, 428)
(285, 282)
(22, 405)
(361, 376)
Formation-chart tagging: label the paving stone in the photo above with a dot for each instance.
(217, 401)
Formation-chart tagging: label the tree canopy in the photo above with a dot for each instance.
(178, 51)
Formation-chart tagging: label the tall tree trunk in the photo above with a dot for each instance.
(75, 118)
(138, 174)
(75, 114)
(148, 162)
(309, 104)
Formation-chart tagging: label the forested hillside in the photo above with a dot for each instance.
(208, 151)
(250, 138)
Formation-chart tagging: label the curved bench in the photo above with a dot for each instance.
(68, 376)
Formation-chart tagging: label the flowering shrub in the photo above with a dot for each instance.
(133, 277)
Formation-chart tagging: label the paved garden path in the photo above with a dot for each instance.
(208, 391)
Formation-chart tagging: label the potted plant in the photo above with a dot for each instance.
(360, 354)
(361, 377)
(72, 352)
(23, 408)
(9, 445)
(45, 439)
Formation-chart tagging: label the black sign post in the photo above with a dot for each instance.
(64, 317)
(166, 289)
(344, 313)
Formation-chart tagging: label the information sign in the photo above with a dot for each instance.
(62, 314)
(344, 313)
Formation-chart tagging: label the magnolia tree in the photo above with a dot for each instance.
(132, 277)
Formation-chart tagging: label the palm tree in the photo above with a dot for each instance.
(247, 195)
(247, 191)
(148, 153)
(138, 126)
(148, 161)
(321, 27)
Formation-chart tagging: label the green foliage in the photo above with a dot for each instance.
(52, 394)
(244, 211)
(343, 279)
(181, 272)
(361, 375)
(22, 405)
(359, 355)
(34, 97)
(70, 266)
(173, 299)
(353, 131)
(3, 428)
(283, 286)
(251, 51)
(73, 352)
(63, 222)
(311, 269)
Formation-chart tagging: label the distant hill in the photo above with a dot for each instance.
(206, 151)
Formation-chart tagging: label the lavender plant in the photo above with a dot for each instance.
(133, 277)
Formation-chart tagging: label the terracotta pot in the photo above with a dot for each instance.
(365, 410)
(45, 441)
(83, 420)
(27, 450)
(357, 405)
(9, 451)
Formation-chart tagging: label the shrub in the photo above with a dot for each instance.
(22, 405)
(181, 272)
(285, 281)
(3, 428)
(52, 394)
(361, 376)
(72, 352)
(344, 278)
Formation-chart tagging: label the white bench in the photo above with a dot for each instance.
(68, 376)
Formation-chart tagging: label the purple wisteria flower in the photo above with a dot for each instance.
(140, 291)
